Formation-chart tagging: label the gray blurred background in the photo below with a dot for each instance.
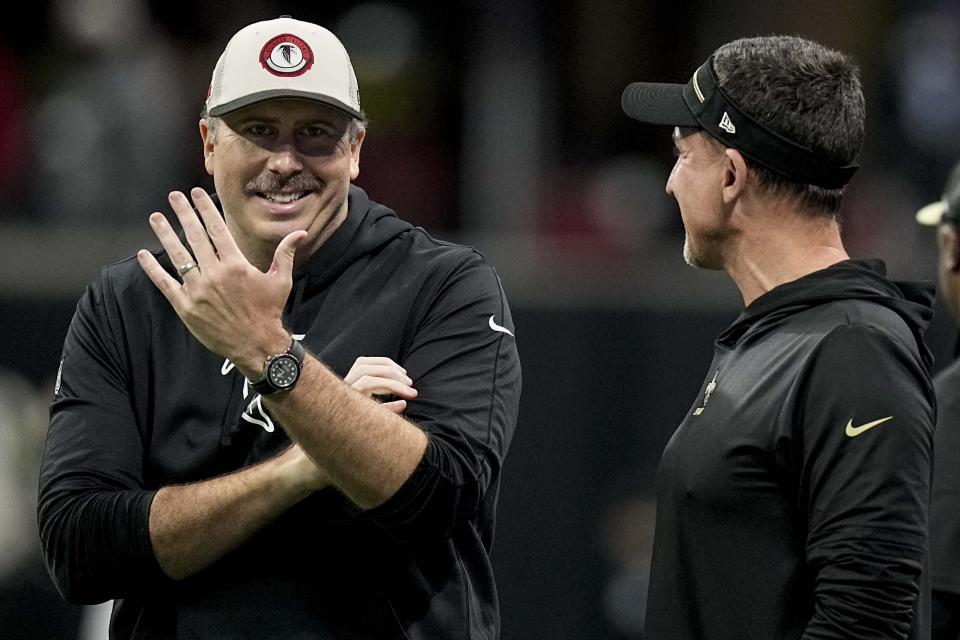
(495, 124)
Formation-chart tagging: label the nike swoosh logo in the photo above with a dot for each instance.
(853, 431)
(496, 327)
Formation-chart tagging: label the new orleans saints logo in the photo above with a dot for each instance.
(706, 393)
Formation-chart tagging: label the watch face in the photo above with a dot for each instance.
(283, 371)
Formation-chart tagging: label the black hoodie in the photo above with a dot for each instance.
(792, 499)
(140, 404)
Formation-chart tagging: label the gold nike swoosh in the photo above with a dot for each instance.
(853, 431)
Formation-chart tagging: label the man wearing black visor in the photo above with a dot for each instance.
(792, 499)
(944, 214)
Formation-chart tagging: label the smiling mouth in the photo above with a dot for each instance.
(283, 198)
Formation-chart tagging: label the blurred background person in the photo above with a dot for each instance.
(108, 109)
(944, 214)
(30, 607)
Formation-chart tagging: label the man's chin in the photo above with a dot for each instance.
(694, 259)
(688, 255)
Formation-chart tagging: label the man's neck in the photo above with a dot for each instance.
(260, 253)
(781, 245)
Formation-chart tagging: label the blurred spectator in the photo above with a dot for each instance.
(110, 119)
(945, 497)
(402, 78)
(30, 607)
(626, 537)
(609, 212)
(923, 53)
(12, 95)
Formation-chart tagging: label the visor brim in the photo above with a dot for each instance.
(932, 214)
(657, 103)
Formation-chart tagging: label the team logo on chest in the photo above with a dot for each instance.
(706, 393)
(254, 411)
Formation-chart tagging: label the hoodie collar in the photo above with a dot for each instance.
(327, 255)
(849, 279)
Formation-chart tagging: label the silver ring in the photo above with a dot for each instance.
(186, 266)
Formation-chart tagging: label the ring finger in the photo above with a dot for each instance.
(178, 254)
(193, 229)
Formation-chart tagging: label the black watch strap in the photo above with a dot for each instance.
(281, 371)
(297, 351)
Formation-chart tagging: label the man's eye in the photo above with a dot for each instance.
(317, 131)
(259, 130)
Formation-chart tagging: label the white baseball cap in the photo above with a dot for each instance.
(283, 58)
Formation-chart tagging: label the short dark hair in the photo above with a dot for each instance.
(803, 91)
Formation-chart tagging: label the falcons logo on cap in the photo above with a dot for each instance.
(286, 55)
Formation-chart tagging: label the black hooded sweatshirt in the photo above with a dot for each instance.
(792, 499)
(141, 404)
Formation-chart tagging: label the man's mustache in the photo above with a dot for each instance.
(270, 182)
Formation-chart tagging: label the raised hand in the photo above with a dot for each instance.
(229, 305)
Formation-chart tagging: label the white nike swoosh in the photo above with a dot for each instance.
(853, 431)
(496, 327)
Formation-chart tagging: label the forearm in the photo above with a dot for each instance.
(94, 542)
(194, 525)
(367, 451)
(864, 588)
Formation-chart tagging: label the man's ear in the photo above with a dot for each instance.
(208, 136)
(355, 154)
(734, 175)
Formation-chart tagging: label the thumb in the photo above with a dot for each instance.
(286, 250)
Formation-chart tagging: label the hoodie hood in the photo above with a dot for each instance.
(846, 280)
(367, 227)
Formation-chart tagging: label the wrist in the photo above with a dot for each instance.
(252, 363)
(281, 371)
(297, 474)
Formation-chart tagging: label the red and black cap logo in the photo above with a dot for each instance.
(286, 55)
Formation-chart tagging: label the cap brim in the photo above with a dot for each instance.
(657, 103)
(263, 96)
(932, 214)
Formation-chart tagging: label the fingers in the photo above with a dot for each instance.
(396, 406)
(211, 241)
(167, 284)
(372, 385)
(177, 253)
(285, 253)
(376, 366)
(380, 376)
(216, 229)
(196, 234)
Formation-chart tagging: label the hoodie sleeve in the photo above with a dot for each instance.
(464, 363)
(92, 509)
(867, 429)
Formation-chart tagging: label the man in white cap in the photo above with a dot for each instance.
(792, 499)
(944, 214)
(207, 467)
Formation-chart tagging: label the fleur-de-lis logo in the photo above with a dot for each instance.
(706, 393)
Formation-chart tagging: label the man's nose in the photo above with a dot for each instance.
(285, 160)
(669, 187)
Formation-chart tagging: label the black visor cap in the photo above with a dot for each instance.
(702, 103)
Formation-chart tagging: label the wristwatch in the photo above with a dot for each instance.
(281, 371)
